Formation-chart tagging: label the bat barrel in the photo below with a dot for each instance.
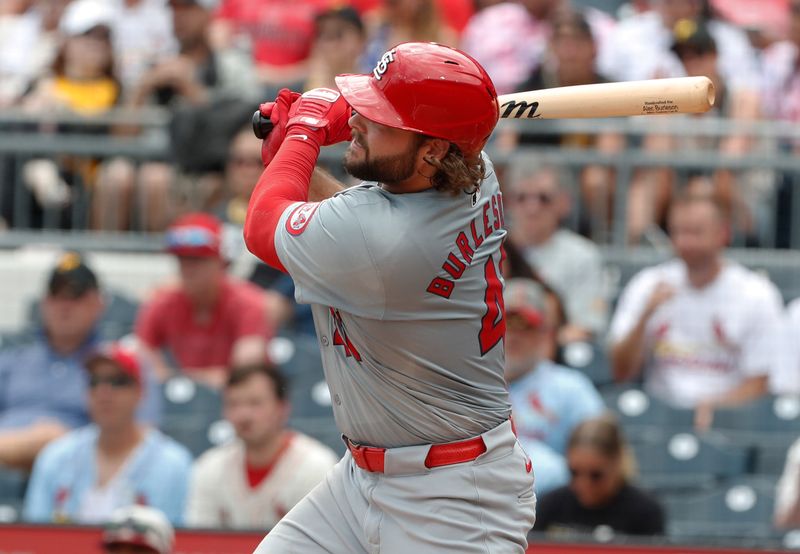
(654, 96)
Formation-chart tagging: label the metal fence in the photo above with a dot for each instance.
(24, 137)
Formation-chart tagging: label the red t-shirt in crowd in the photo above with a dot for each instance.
(281, 31)
(167, 321)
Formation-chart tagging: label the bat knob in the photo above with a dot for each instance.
(261, 125)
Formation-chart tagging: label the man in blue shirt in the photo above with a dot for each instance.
(547, 400)
(42, 382)
(112, 463)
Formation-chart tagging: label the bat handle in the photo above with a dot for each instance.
(261, 125)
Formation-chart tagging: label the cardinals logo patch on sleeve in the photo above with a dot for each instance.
(300, 217)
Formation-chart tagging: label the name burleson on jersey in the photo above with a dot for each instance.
(467, 241)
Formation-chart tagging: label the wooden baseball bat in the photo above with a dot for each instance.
(653, 96)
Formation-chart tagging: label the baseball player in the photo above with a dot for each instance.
(402, 274)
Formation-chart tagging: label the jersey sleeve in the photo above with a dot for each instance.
(785, 377)
(325, 249)
(586, 302)
(630, 307)
(761, 347)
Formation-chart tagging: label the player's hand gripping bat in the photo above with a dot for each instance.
(653, 96)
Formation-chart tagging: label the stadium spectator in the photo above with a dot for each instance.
(538, 200)
(398, 21)
(208, 320)
(785, 379)
(338, 45)
(243, 167)
(278, 35)
(509, 39)
(138, 530)
(781, 98)
(242, 170)
(515, 266)
(600, 492)
(82, 81)
(142, 37)
(209, 91)
(747, 195)
(28, 44)
(253, 481)
(113, 462)
(701, 329)
(42, 382)
(569, 61)
(548, 400)
(787, 497)
(639, 48)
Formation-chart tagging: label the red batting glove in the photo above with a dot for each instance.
(321, 113)
(278, 113)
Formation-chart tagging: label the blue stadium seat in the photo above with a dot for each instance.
(321, 428)
(766, 416)
(190, 410)
(739, 508)
(685, 461)
(591, 359)
(308, 392)
(309, 395)
(12, 484)
(643, 416)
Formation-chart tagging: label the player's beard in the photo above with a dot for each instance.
(383, 169)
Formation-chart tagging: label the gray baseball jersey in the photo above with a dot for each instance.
(407, 299)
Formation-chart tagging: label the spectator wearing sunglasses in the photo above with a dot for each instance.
(114, 461)
(538, 201)
(42, 380)
(548, 400)
(207, 321)
(600, 493)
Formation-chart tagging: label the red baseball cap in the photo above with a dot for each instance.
(526, 298)
(197, 235)
(122, 357)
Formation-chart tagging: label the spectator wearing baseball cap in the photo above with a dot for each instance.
(112, 462)
(209, 320)
(138, 529)
(548, 400)
(42, 382)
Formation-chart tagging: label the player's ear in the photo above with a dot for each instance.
(435, 148)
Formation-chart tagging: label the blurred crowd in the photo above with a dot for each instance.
(80, 396)
(210, 62)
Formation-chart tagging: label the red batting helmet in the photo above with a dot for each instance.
(430, 89)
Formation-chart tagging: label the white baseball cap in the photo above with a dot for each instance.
(82, 16)
(142, 526)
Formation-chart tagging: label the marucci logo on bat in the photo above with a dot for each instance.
(521, 108)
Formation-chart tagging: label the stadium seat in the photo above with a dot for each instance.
(770, 459)
(767, 415)
(308, 391)
(321, 428)
(591, 359)
(190, 411)
(643, 416)
(685, 461)
(740, 508)
(299, 358)
(12, 484)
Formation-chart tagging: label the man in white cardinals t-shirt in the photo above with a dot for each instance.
(701, 329)
(251, 482)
